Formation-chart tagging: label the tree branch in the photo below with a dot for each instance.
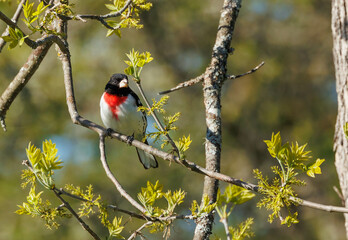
(112, 177)
(188, 83)
(200, 78)
(225, 223)
(83, 224)
(136, 232)
(214, 77)
(100, 18)
(21, 79)
(159, 124)
(318, 206)
(15, 20)
(230, 77)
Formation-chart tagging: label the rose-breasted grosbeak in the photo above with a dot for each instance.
(119, 111)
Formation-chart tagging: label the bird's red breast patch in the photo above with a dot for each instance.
(113, 102)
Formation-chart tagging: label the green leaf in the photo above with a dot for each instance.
(7, 38)
(111, 7)
(315, 168)
(13, 44)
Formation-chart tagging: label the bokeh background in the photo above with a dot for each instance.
(294, 93)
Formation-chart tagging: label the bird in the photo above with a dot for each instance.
(119, 111)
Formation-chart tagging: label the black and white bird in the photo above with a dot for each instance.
(119, 111)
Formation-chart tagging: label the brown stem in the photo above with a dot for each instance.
(21, 79)
(136, 232)
(230, 77)
(159, 124)
(112, 177)
(15, 20)
(71, 210)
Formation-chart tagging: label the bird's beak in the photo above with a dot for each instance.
(124, 83)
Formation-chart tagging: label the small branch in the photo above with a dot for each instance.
(136, 232)
(62, 191)
(200, 78)
(71, 210)
(112, 177)
(339, 194)
(100, 18)
(188, 83)
(225, 223)
(327, 208)
(41, 41)
(230, 77)
(21, 79)
(159, 124)
(15, 20)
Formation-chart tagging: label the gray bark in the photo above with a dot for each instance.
(214, 77)
(340, 53)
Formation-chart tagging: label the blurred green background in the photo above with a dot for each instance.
(293, 93)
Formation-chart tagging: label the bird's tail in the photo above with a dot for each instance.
(147, 159)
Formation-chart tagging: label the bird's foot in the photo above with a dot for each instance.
(130, 140)
(109, 132)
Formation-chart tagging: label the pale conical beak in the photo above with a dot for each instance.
(124, 83)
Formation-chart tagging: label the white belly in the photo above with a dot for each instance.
(129, 120)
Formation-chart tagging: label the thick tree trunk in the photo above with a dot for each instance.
(340, 53)
(213, 80)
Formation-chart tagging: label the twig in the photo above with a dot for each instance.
(15, 20)
(200, 78)
(159, 124)
(71, 210)
(34, 44)
(188, 83)
(327, 208)
(230, 77)
(339, 194)
(136, 232)
(100, 18)
(112, 177)
(21, 79)
(225, 223)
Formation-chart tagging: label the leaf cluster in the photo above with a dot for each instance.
(43, 163)
(293, 160)
(232, 196)
(204, 209)
(15, 38)
(292, 157)
(148, 198)
(36, 207)
(90, 201)
(129, 18)
(136, 63)
(243, 231)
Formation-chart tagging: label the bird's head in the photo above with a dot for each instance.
(118, 84)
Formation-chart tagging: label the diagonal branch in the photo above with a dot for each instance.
(112, 177)
(37, 43)
(71, 210)
(15, 20)
(21, 79)
(188, 83)
(137, 232)
(200, 78)
(100, 18)
(231, 77)
(156, 119)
